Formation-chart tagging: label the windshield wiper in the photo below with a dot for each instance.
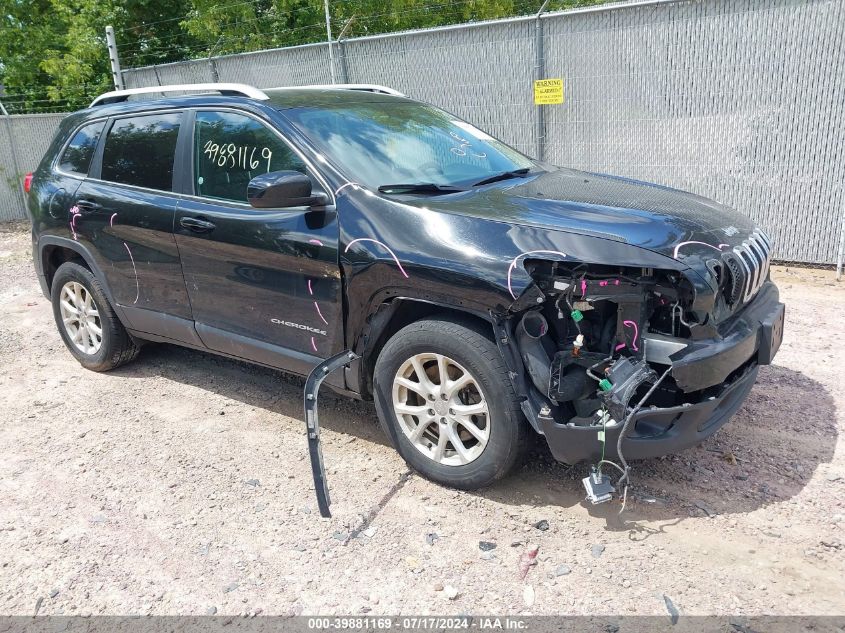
(419, 187)
(505, 175)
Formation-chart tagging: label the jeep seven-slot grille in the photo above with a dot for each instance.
(754, 256)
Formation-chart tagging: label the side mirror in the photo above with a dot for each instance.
(279, 189)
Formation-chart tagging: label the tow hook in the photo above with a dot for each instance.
(312, 423)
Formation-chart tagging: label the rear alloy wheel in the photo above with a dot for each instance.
(441, 409)
(81, 318)
(446, 402)
(89, 327)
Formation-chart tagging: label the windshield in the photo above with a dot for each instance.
(377, 144)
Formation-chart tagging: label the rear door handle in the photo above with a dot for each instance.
(197, 225)
(88, 206)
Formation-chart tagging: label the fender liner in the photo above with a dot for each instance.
(383, 308)
(537, 409)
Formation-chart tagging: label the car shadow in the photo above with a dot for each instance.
(255, 386)
(766, 454)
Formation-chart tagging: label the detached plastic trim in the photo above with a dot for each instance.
(312, 423)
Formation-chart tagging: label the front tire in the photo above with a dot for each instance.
(445, 400)
(87, 323)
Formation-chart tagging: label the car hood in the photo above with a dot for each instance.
(664, 220)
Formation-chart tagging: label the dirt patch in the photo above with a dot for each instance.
(180, 484)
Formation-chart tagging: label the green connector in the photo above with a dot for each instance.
(605, 384)
(576, 315)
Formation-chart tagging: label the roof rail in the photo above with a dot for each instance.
(361, 87)
(242, 90)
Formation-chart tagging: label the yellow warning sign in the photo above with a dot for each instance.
(548, 91)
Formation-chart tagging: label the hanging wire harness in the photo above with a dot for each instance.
(599, 486)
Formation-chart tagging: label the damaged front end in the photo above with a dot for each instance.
(601, 351)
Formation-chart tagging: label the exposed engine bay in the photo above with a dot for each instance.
(600, 335)
(598, 345)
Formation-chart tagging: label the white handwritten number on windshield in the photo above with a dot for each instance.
(231, 155)
(461, 151)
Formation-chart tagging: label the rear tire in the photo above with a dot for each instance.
(473, 406)
(87, 323)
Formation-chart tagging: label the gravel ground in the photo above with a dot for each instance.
(180, 484)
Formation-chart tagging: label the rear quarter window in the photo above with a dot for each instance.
(77, 155)
(140, 150)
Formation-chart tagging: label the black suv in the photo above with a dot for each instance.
(488, 295)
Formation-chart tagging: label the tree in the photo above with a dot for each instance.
(24, 28)
(53, 52)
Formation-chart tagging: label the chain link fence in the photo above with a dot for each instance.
(736, 100)
(23, 140)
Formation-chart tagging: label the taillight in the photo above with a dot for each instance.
(27, 182)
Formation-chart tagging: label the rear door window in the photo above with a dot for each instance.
(231, 149)
(77, 155)
(140, 150)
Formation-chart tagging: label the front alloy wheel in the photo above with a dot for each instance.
(441, 409)
(81, 318)
(445, 400)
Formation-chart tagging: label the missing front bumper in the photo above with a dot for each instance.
(654, 431)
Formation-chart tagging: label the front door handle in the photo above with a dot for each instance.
(197, 225)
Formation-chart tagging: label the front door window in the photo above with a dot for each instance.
(231, 149)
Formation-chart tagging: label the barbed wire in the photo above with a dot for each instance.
(215, 8)
(371, 18)
(219, 41)
(272, 14)
(8, 102)
(41, 110)
(232, 38)
(528, 7)
(320, 25)
(36, 90)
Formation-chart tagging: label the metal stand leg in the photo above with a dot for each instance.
(312, 423)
